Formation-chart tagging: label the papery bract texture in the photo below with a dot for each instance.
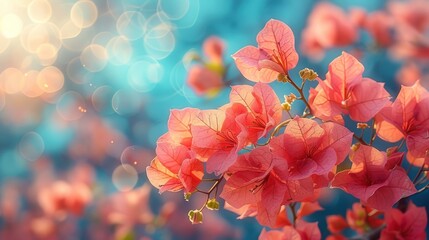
(407, 117)
(408, 225)
(310, 148)
(175, 167)
(261, 178)
(345, 91)
(263, 106)
(274, 55)
(370, 181)
(217, 137)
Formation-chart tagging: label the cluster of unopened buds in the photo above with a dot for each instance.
(240, 153)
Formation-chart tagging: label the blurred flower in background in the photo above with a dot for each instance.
(86, 88)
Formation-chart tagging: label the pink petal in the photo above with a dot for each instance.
(171, 154)
(271, 199)
(337, 137)
(367, 99)
(398, 186)
(307, 208)
(162, 178)
(202, 80)
(179, 125)
(344, 73)
(277, 40)
(309, 231)
(213, 48)
(191, 173)
(247, 60)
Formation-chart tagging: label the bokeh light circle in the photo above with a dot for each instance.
(50, 79)
(190, 17)
(31, 88)
(75, 71)
(12, 80)
(101, 99)
(47, 53)
(69, 30)
(144, 75)
(39, 11)
(159, 40)
(126, 102)
(71, 106)
(124, 177)
(10, 25)
(94, 58)
(35, 35)
(102, 38)
(31, 146)
(136, 157)
(173, 9)
(131, 24)
(84, 13)
(119, 50)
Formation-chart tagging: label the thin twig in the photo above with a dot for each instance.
(275, 131)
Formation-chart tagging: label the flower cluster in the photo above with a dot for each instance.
(268, 164)
(400, 28)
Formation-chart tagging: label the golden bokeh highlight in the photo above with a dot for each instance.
(10, 25)
(84, 13)
(12, 80)
(50, 79)
(39, 11)
(69, 106)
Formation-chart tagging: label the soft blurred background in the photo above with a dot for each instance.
(86, 88)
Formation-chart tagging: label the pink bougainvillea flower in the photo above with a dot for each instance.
(204, 80)
(179, 125)
(274, 55)
(307, 208)
(213, 48)
(409, 74)
(206, 77)
(411, 23)
(263, 106)
(346, 91)
(362, 218)
(127, 209)
(303, 231)
(408, 225)
(407, 117)
(262, 178)
(217, 137)
(62, 197)
(175, 167)
(336, 223)
(328, 27)
(336, 237)
(370, 181)
(380, 26)
(357, 16)
(310, 148)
